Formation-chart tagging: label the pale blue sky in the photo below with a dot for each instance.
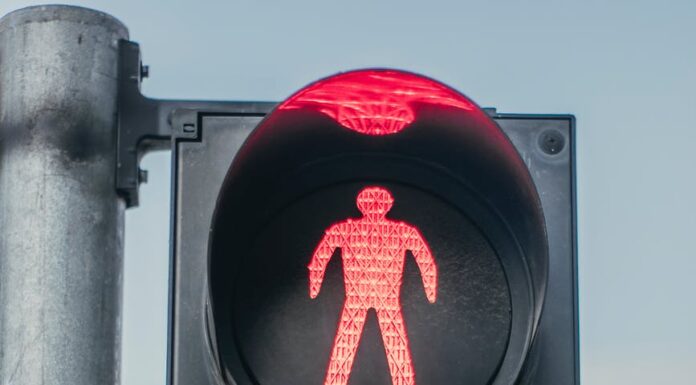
(626, 69)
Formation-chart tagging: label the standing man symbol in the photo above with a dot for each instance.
(373, 249)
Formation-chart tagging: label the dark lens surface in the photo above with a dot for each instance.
(282, 337)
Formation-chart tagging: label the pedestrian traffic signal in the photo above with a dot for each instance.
(378, 227)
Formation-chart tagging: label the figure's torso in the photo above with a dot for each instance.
(373, 254)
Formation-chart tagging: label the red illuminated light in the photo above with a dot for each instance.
(373, 249)
(374, 102)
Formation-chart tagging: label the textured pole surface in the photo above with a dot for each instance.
(61, 222)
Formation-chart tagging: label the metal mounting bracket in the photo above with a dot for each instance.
(145, 124)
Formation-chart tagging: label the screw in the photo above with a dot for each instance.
(189, 128)
(142, 176)
(144, 71)
(551, 142)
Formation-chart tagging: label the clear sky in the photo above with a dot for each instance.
(626, 69)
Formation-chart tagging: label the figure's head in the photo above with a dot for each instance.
(375, 201)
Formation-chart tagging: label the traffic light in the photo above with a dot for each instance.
(377, 227)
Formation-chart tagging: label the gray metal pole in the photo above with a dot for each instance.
(61, 222)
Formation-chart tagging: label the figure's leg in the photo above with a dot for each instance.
(350, 327)
(393, 329)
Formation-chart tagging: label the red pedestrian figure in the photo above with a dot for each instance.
(373, 250)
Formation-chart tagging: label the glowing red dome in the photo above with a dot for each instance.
(374, 102)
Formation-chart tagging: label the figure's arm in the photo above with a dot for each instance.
(321, 257)
(425, 261)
